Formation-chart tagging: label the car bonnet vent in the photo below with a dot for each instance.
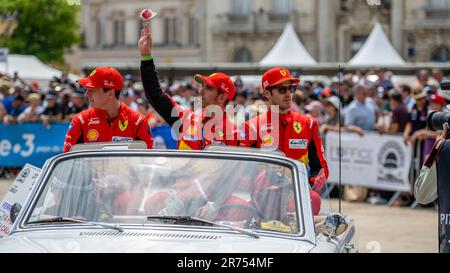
(117, 234)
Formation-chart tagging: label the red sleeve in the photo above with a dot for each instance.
(74, 134)
(144, 133)
(317, 162)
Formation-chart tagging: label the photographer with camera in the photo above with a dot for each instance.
(433, 182)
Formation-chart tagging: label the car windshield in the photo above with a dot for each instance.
(242, 193)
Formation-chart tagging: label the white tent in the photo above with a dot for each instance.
(31, 68)
(377, 51)
(288, 50)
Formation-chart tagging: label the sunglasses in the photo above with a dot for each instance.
(209, 88)
(283, 89)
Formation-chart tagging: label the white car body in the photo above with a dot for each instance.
(164, 238)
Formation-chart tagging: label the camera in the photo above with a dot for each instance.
(445, 85)
(436, 120)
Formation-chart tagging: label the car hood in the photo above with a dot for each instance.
(88, 240)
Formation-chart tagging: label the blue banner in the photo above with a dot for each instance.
(162, 138)
(33, 143)
(30, 143)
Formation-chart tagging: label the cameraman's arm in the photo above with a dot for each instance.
(425, 188)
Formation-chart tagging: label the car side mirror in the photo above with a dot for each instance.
(14, 212)
(335, 224)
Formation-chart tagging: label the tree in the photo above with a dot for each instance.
(45, 27)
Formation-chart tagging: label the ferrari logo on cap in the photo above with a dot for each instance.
(283, 72)
(297, 127)
(123, 126)
(92, 73)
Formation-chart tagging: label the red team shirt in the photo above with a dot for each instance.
(94, 125)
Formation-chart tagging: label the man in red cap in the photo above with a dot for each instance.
(107, 119)
(196, 130)
(279, 128)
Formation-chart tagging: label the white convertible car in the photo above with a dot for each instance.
(120, 198)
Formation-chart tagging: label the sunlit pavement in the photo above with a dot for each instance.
(378, 228)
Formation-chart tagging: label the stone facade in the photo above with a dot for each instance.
(191, 31)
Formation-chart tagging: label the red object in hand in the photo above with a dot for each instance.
(147, 14)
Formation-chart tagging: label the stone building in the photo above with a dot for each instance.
(193, 31)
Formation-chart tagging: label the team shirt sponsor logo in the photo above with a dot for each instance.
(92, 135)
(266, 127)
(121, 139)
(267, 140)
(215, 142)
(297, 127)
(192, 130)
(139, 120)
(123, 126)
(94, 121)
(298, 143)
(190, 138)
(80, 117)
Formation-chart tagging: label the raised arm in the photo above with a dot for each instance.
(161, 102)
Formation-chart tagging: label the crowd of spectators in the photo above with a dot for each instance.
(367, 102)
(23, 102)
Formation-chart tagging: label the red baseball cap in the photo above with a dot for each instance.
(103, 77)
(219, 81)
(276, 76)
(438, 99)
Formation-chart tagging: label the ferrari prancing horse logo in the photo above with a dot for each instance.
(297, 127)
(123, 126)
(283, 72)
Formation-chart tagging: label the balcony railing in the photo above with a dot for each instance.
(435, 13)
(261, 22)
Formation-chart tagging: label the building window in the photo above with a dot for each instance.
(98, 33)
(438, 4)
(243, 55)
(282, 6)
(438, 9)
(440, 54)
(357, 43)
(170, 31)
(193, 30)
(241, 7)
(119, 33)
